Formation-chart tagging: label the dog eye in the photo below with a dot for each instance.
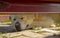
(21, 18)
(14, 19)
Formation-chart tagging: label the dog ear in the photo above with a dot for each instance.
(9, 17)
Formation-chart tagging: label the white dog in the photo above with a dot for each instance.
(26, 21)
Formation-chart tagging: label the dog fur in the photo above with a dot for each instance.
(32, 20)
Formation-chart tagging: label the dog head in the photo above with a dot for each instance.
(23, 19)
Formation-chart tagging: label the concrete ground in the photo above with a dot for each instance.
(25, 33)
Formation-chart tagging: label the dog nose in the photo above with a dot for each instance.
(18, 26)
